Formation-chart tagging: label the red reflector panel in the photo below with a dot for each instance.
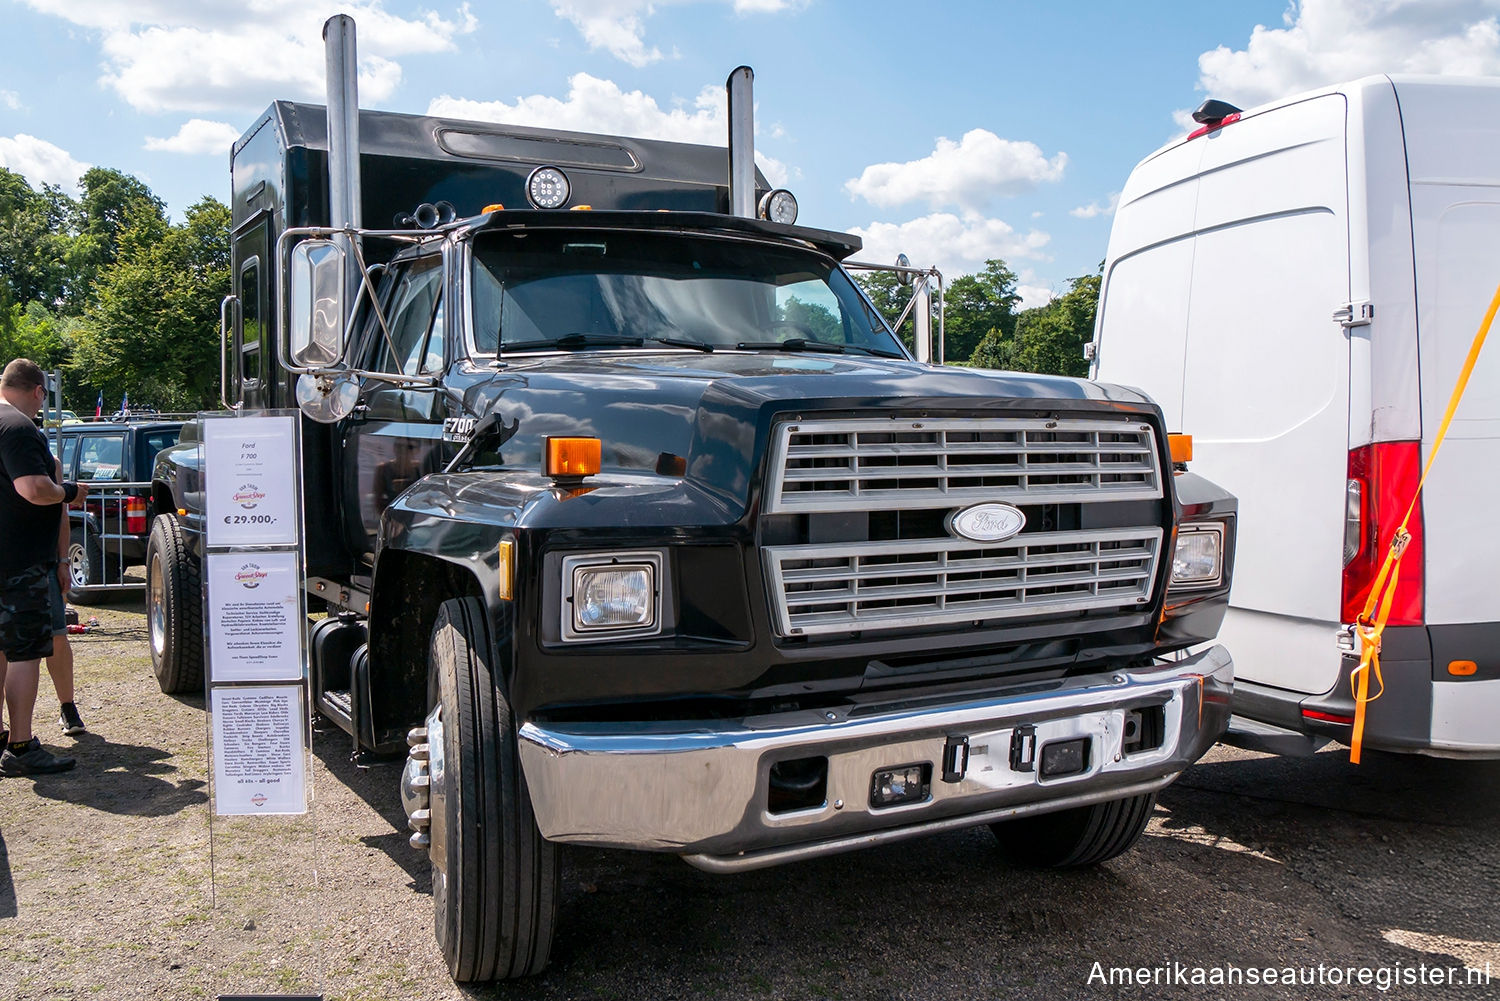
(1388, 473)
(1206, 129)
(1323, 717)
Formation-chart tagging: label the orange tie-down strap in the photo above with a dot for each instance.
(1378, 607)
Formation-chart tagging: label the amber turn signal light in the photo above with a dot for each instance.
(1181, 446)
(1463, 668)
(492, 207)
(571, 457)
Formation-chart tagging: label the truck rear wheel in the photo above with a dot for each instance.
(87, 570)
(494, 878)
(174, 608)
(1070, 839)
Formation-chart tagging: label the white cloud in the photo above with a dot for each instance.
(10, 99)
(619, 26)
(40, 162)
(1033, 296)
(1331, 41)
(197, 136)
(595, 105)
(967, 174)
(613, 25)
(955, 245)
(175, 55)
(1089, 211)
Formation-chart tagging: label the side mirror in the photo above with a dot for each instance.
(904, 277)
(316, 328)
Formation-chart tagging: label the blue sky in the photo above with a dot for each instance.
(954, 131)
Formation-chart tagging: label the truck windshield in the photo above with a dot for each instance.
(571, 291)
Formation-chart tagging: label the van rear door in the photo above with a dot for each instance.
(1264, 377)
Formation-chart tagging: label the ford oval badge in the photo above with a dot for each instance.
(987, 522)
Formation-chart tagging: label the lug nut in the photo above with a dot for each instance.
(420, 820)
(420, 841)
(416, 735)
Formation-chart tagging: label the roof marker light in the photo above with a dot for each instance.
(492, 207)
(778, 206)
(548, 188)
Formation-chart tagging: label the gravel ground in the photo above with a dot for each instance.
(115, 882)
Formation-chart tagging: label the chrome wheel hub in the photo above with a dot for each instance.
(156, 606)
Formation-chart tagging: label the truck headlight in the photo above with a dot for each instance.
(1199, 559)
(616, 595)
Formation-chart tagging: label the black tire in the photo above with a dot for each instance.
(1071, 839)
(174, 608)
(88, 568)
(495, 891)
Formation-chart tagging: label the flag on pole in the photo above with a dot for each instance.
(99, 406)
(125, 404)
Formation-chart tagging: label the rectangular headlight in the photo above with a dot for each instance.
(1199, 559)
(611, 595)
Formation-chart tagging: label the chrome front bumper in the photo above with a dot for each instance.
(700, 789)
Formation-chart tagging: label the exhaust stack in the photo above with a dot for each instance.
(741, 142)
(343, 136)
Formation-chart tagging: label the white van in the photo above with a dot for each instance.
(1297, 286)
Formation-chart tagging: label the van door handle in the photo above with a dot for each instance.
(1355, 314)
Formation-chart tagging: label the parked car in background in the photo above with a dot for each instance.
(109, 534)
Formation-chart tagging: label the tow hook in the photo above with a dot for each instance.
(415, 788)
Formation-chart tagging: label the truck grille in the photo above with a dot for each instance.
(823, 467)
(876, 465)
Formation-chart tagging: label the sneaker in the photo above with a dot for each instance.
(34, 760)
(71, 722)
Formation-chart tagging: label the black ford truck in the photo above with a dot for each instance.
(638, 524)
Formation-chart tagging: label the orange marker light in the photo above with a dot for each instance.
(505, 582)
(581, 208)
(1463, 668)
(1181, 446)
(570, 457)
(492, 207)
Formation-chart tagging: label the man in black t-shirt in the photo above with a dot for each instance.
(31, 509)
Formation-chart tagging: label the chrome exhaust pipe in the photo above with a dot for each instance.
(343, 135)
(741, 142)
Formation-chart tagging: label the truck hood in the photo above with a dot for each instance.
(657, 413)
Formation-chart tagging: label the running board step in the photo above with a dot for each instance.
(339, 707)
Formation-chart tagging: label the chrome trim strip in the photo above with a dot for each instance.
(857, 466)
(950, 586)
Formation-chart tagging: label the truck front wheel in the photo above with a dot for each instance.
(1071, 839)
(174, 608)
(494, 878)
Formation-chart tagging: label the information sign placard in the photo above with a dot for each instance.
(250, 481)
(255, 632)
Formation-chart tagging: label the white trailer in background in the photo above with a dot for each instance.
(1297, 286)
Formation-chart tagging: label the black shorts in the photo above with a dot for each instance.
(26, 614)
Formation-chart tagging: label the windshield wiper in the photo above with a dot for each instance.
(806, 344)
(573, 342)
(682, 342)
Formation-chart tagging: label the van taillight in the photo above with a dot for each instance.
(1382, 480)
(135, 515)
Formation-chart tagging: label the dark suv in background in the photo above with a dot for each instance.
(109, 534)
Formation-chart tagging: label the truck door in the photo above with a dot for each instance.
(250, 334)
(1266, 378)
(395, 436)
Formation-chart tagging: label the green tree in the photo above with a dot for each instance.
(115, 208)
(1048, 338)
(890, 298)
(978, 304)
(151, 327)
(36, 233)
